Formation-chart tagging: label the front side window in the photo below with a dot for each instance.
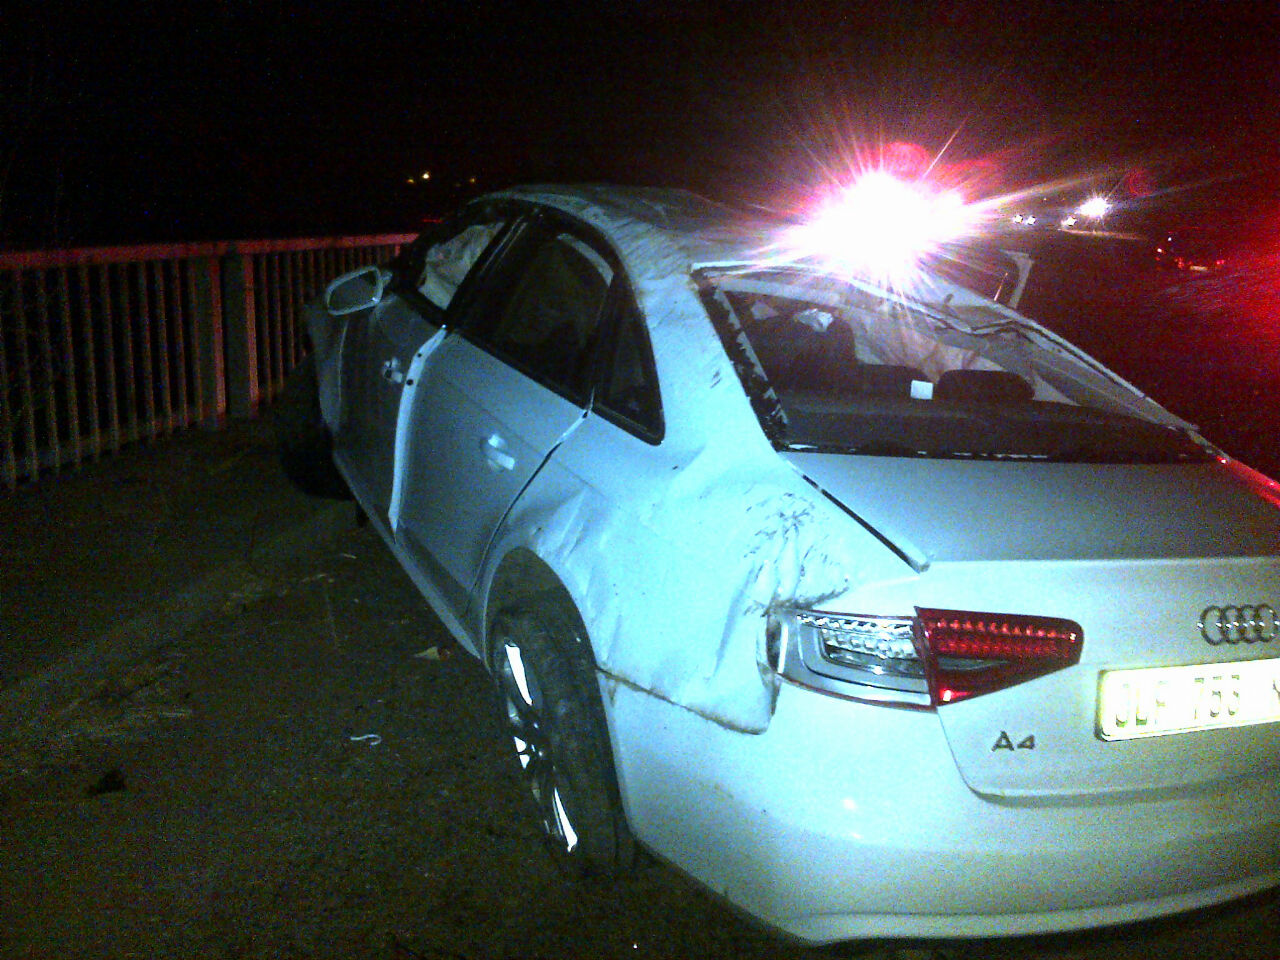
(431, 271)
(446, 264)
(833, 365)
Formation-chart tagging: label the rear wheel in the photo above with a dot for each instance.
(306, 447)
(549, 703)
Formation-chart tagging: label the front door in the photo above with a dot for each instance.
(385, 345)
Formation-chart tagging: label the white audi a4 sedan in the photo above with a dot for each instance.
(877, 608)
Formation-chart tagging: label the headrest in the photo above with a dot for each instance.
(982, 386)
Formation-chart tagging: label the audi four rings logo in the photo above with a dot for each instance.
(1243, 624)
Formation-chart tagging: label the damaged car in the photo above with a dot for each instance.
(879, 610)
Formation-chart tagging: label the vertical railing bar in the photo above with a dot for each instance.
(46, 363)
(292, 264)
(24, 362)
(277, 324)
(187, 284)
(164, 412)
(87, 331)
(282, 320)
(307, 277)
(306, 291)
(304, 285)
(262, 323)
(257, 326)
(148, 352)
(7, 443)
(286, 315)
(314, 268)
(130, 298)
(173, 268)
(262, 275)
(286, 312)
(109, 354)
(253, 388)
(217, 342)
(69, 359)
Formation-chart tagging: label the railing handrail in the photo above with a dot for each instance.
(77, 256)
(105, 346)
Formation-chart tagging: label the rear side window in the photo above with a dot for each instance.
(544, 319)
(628, 392)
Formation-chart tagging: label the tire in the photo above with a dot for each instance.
(549, 705)
(303, 440)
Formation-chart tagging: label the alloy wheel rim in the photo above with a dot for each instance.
(527, 727)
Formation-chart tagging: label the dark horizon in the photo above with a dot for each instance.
(246, 120)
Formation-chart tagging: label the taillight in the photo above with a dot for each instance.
(967, 654)
(935, 657)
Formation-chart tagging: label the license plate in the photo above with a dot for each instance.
(1156, 701)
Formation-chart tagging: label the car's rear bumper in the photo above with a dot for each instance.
(846, 820)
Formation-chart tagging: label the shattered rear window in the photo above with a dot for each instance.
(834, 365)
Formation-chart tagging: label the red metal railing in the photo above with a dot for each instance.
(104, 346)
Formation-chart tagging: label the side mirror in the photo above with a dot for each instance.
(356, 291)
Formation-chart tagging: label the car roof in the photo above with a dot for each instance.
(662, 231)
(649, 221)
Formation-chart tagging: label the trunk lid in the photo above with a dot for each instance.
(1134, 554)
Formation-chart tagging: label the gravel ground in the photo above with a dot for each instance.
(314, 770)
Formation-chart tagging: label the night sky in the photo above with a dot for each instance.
(132, 122)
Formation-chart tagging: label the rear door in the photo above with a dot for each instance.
(505, 388)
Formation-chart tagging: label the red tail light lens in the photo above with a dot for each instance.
(968, 654)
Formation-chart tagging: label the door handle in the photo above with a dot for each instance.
(495, 453)
(391, 371)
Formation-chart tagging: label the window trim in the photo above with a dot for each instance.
(620, 302)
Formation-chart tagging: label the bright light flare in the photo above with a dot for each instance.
(883, 226)
(1094, 208)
